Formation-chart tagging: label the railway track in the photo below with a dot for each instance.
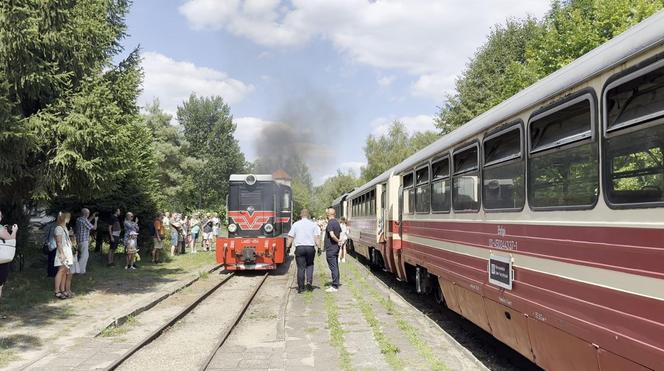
(223, 309)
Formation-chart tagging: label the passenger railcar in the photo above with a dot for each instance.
(259, 217)
(542, 220)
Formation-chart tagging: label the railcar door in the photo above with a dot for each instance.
(397, 241)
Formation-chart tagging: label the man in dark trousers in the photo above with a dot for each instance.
(332, 237)
(304, 234)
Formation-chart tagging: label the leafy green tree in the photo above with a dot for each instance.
(75, 133)
(208, 127)
(495, 73)
(391, 148)
(573, 28)
(332, 188)
(521, 52)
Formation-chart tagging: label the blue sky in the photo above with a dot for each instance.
(336, 70)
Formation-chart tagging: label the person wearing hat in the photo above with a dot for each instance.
(305, 235)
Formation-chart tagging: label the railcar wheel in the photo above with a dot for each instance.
(438, 294)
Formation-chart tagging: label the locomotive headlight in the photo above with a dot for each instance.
(232, 228)
(268, 228)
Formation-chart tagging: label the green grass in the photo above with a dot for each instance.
(31, 289)
(119, 330)
(7, 355)
(336, 332)
(411, 333)
(389, 350)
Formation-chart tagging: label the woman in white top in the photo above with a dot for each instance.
(343, 239)
(64, 257)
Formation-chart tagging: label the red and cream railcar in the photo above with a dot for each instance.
(542, 220)
(259, 217)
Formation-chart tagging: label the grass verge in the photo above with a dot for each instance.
(406, 328)
(336, 332)
(119, 330)
(7, 355)
(389, 350)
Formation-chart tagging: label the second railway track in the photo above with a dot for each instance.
(190, 339)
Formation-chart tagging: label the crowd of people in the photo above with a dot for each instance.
(67, 242)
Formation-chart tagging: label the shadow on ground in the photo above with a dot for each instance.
(488, 350)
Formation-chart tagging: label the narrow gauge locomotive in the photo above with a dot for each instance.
(542, 220)
(259, 217)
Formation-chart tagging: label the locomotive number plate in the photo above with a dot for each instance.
(500, 271)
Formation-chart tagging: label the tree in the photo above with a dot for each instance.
(391, 148)
(332, 188)
(521, 52)
(208, 127)
(75, 132)
(495, 73)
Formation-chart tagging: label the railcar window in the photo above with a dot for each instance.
(408, 193)
(440, 185)
(466, 181)
(635, 101)
(561, 174)
(504, 183)
(422, 192)
(567, 125)
(635, 167)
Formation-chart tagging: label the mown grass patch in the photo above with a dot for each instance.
(119, 330)
(337, 332)
(404, 326)
(389, 350)
(7, 355)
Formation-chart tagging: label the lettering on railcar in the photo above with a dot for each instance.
(505, 301)
(501, 243)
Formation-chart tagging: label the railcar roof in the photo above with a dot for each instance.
(638, 39)
(338, 200)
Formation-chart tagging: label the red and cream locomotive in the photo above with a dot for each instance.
(259, 217)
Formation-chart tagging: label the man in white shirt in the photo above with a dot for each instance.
(305, 235)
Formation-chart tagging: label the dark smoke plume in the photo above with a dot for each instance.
(307, 136)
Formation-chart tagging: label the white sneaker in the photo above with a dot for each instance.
(332, 289)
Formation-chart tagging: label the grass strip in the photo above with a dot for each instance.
(389, 350)
(119, 330)
(406, 328)
(7, 355)
(336, 332)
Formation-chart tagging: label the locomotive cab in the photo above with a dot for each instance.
(259, 218)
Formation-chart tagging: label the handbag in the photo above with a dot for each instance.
(7, 250)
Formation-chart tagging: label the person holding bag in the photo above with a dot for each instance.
(64, 257)
(5, 237)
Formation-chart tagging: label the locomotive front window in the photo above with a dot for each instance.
(251, 196)
(286, 201)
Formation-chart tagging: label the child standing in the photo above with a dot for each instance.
(132, 249)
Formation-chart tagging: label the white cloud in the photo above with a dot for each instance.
(248, 129)
(173, 81)
(354, 166)
(430, 39)
(414, 124)
(386, 81)
(435, 85)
